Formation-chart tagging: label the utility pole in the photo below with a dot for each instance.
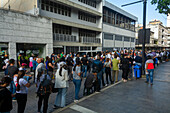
(144, 38)
(144, 31)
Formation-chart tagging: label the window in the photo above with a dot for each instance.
(86, 17)
(132, 39)
(55, 8)
(108, 37)
(61, 29)
(127, 39)
(114, 18)
(89, 2)
(86, 33)
(118, 37)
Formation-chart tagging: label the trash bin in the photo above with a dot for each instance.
(137, 71)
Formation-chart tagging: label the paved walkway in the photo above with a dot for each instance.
(132, 97)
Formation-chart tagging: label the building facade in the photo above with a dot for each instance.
(158, 35)
(118, 28)
(76, 24)
(25, 33)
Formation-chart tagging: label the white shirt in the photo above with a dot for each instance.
(61, 81)
(31, 59)
(22, 83)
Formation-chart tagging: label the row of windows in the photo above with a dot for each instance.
(86, 17)
(86, 33)
(118, 38)
(55, 8)
(89, 2)
(60, 29)
(117, 19)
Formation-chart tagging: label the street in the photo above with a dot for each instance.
(132, 97)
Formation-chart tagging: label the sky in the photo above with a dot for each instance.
(137, 10)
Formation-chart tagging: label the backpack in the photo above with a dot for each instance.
(96, 68)
(45, 87)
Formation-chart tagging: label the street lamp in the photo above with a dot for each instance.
(144, 30)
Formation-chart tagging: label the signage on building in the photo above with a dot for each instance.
(141, 36)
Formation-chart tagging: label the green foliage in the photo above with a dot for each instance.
(163, 6)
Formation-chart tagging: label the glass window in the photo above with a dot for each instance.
(108, 36)
(118, 37)
(127, 39)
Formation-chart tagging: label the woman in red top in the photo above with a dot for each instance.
(149, 70)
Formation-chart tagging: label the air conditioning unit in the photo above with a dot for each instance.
(36, 11)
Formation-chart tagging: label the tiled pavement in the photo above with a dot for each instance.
(31, 106)
(131, 97)
(32, 101)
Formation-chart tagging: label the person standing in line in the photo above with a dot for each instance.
(50, 68)
(31, 63)
(21, 90)
(97, 72)
(149, 67)
(84, 61)
(46, 63)
(125, 68)
(115, 69)
(5, 96)
(12, 70)
(39, 65)
(43, 96)
(107, 66)
(34, 66)
(70, 63)
(77, 80)
(61, 82)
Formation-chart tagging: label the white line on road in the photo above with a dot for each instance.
(82, 109)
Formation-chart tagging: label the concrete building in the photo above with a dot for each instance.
(24, 33)
(158, 35)
(118, 28)
(76, 24)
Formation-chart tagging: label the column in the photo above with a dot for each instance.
(12, 50)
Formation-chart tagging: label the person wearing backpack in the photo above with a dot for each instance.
(21, 90)
(97, 71)
(5, 96)
(107, 66)
(61, 82)
(44, 88)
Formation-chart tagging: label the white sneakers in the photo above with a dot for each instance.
(76, 101)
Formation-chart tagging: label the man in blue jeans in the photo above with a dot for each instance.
(97, 71)
(84, 61)
(12, 70)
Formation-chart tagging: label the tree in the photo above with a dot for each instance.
(163, 6)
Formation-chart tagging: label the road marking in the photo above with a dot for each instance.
(81, 109)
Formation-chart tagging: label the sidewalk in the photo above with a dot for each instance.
(132, 97)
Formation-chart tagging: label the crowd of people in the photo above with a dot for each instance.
(53, 74)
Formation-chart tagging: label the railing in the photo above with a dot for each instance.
(89, 40)
(64, 38)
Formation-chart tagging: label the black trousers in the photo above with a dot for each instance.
(45, 99)
(21, 100)
(34, 77)
(103, 79)
(125, 73)
(108, 73)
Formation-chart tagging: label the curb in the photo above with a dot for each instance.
(86, 97)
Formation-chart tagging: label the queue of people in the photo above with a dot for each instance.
(57, 71)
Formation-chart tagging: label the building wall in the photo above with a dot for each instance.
(22, 28)
(117, 31)
(20, 5)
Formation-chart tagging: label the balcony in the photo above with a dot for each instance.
(64, 38)
(70, 38)
(89, 40)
